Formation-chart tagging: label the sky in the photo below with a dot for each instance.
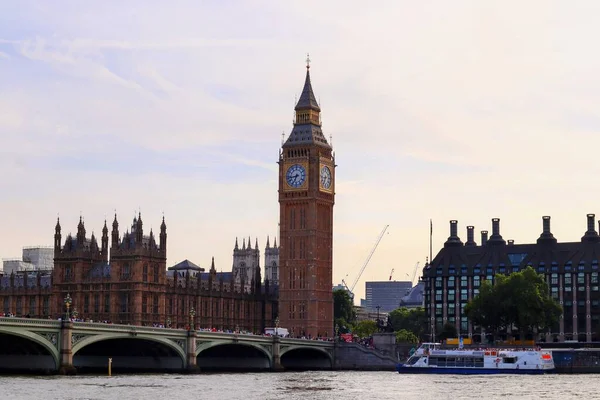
(438, 110)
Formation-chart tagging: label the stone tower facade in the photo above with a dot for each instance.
(246, 261)
(306, 199)
(130, 289)
(272, 263)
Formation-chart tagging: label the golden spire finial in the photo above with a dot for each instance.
(307, 61)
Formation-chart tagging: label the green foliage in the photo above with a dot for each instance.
(404, 336)
(365, 328)
(343, 308)
(413, 320)
(448, 331)
(343, 325)
(521, 299)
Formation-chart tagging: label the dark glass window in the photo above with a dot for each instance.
(516, 258)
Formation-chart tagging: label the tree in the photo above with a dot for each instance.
(520, 299)
(413, 320)
(489, 309)
(404, 336)
(532, 306)
(343, 310)
(365, 328)
(448, 331)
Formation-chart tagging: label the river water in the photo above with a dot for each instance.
(301, 385)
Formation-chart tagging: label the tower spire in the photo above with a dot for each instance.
(307, 99)
(307, 123)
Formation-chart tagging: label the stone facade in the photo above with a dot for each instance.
(246, 261)
(272, 263)
(306, 198)
(133, 287)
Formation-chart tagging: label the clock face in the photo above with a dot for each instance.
(325, 177)
(295, 175)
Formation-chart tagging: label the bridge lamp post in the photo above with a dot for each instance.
(75, 313)
(237, 329)
(277, 326)
(192, 315)
(68, 301)
(168, 322)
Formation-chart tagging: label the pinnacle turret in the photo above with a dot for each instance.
(307, 124)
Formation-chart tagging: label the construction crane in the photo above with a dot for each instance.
(414, 274)
(362, 269)
(391, 273)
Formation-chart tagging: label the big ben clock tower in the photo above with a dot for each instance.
(306, 198)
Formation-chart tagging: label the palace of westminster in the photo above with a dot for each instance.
(123, 277)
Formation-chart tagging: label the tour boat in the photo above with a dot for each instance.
(431, 359)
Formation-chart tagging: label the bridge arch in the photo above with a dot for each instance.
(306, 358)
(88, 341)
(233, 355)
(36, 338)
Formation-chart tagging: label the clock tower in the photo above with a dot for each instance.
(306, 198)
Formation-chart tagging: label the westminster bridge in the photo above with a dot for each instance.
(65, 347)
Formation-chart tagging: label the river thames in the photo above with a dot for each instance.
(336, 385)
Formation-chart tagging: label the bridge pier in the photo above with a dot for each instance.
(277, 367)
(191, 362)
(66, 350)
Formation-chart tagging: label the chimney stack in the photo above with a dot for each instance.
(484, 237)
(453, 228)
(496, 238)
(495, 226)
(546, 224)
(590, 235)
(470, 236)
(546, 233)
(453, 240)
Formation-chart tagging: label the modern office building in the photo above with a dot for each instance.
(386, 294)
(571, 271)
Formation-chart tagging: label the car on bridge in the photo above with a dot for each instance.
(282, 332)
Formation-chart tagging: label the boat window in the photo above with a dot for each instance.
(479, 362)
(509, 360)
(433, 361)
(413, 360)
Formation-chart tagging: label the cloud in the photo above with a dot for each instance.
(465, 110)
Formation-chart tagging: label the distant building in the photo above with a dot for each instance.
(339, 286)
(246, 261)
(272, 263)
(37, 258)
(571, 270)
(414, 298)
(386, 294)
(363, 314)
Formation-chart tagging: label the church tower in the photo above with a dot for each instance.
(306, 198)
(272, 263)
